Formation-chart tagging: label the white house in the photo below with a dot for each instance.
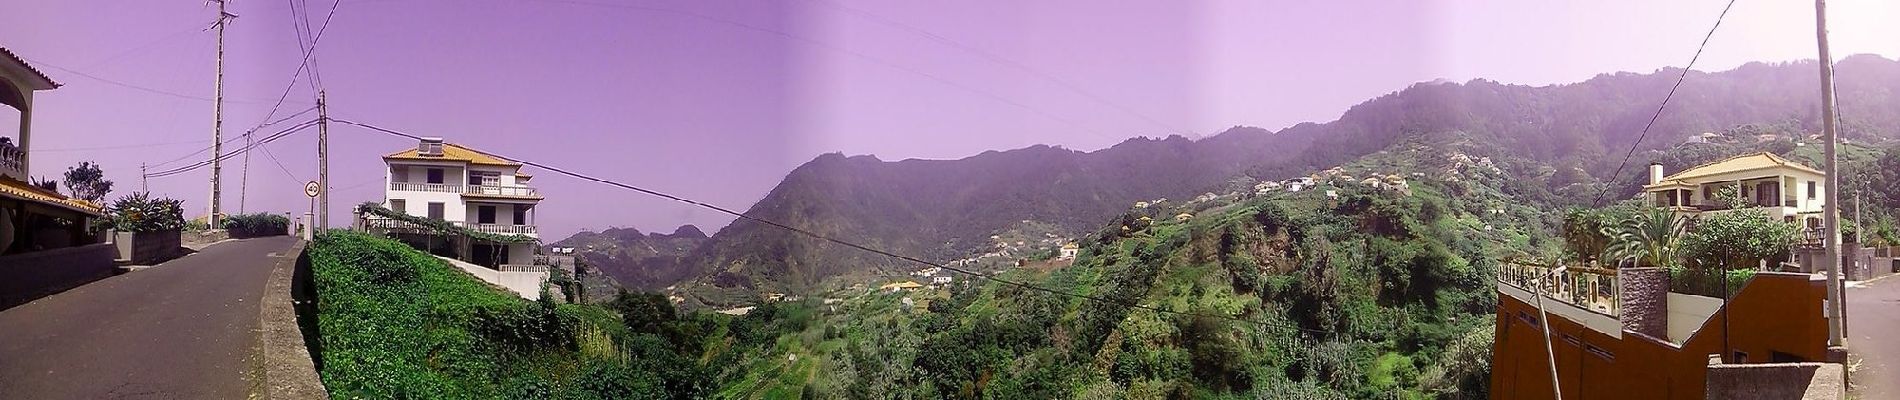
(941, 280)
(1068, 252)
(466, 188)
(1782, 187)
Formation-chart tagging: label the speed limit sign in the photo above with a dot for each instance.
(312, 189)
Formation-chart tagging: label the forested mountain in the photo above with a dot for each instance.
(1572, 135)
(647, 261)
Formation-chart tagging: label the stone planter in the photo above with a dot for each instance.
(146, 248)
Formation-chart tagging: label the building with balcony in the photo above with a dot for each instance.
(45, 245)
(469, 189)
(1782, 187)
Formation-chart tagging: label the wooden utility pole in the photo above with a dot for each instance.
(217, 119)
(244, 174)
(144, 187)
(1831, 210)
(323, 162)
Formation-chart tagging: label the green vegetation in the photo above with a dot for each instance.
(439, 226)
(397, 323)
(256, 224)
(139, 212)
(87, 182)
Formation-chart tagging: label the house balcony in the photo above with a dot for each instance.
(502, 191)
(12, 161)
(499, 229)
(426, 187)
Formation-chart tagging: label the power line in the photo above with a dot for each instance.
(127, 146)
(845, 243)
(246, 148)
(1665, 103)
(228, 141)
(136, 87)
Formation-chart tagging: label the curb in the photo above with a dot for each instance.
(289, 372)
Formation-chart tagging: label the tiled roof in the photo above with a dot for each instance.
(1744, 162)
(29, 67)
(16, 189)
(454, 152)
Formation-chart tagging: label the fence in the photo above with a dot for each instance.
(1593, 289)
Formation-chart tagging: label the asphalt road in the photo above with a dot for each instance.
(185, 329)
(1873, 318)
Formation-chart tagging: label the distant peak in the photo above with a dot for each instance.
(688, 231)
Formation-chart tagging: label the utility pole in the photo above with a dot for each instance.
(323, 162)
(144, 187)
(1836, 336)
(244, 174)
(217, 115)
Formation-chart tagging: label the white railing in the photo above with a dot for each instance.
(504, 229)
(1593, 289)
(502, 190)
(425, 187)
(12, 160)
(523, 268)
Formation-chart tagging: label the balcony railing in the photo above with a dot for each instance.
(503, 190)
(1592, 289)
(503, 229)
(12, 160)
(523, 268)
(425, 187)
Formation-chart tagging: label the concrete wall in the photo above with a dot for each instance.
(147, 248)
(1808, 381)
(525, 284)
(29, 276)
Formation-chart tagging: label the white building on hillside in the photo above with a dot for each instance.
(466, 188)
(1784, 188)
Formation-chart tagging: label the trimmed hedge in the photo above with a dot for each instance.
(256, 225)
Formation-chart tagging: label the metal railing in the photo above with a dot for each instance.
(504, 229)
(1592, 289)
(503, 190)
(425, 187)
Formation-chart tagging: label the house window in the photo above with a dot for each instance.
(521, 215)
(474, 178)
(435, 210)
(1811, 190)
(435, 175)
(485, 214)
(1741, 357)
(399, 205)
(1599, 352)
(399, 173)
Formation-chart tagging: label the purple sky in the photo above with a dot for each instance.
(717, 100)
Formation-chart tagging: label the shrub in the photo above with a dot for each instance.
(256, 225)
(139, 212)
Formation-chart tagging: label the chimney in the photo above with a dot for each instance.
(429, 147)
(1644, 293)
(1655, 173)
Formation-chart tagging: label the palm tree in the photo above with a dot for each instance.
(1651, 238)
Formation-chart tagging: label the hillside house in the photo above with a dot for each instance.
(1784, 188)
(484, 201)
(900, 286)
(1068, 251)
(44, 243)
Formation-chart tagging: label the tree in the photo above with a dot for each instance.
(46, 184)
(1738, 239)
(88, 182)
(1651, 238)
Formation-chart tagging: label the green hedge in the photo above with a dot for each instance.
(256, 225)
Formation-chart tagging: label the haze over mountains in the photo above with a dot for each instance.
(947, 209)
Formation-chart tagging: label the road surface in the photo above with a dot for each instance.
(185, 329)
(1873, 318)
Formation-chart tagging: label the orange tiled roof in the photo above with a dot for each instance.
(1744, 162)
(14, 188)
(454, 152)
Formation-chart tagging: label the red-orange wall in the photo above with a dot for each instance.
(1774, 312)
